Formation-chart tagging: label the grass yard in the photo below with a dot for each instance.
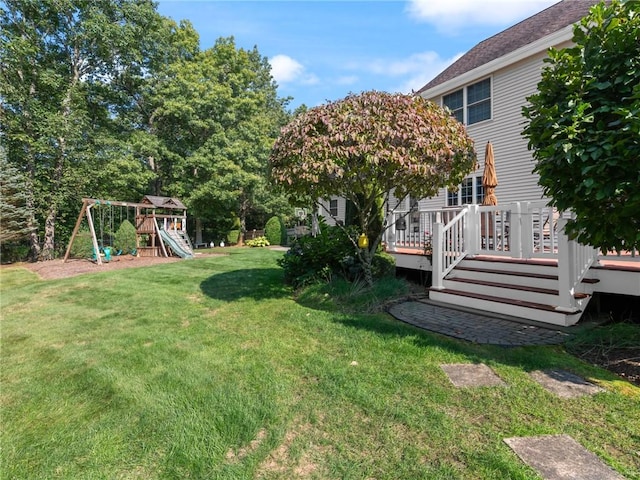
(210, 368)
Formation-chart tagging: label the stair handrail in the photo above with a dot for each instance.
(574, 261)
(451, 236)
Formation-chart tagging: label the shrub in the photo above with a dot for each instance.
(275, 231)
(383, 265)
(82, 245)
(233, 236)
(258, 242)
(125, 237)
(312, 259)
(11, 252)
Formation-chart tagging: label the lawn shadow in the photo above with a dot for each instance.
(382, 323)
(529, 358)
(254, 283)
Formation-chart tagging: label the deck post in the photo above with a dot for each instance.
(391, 232)
(436, 258)
(515, 231)
(526, 230)
(565, 267)
(472, 237)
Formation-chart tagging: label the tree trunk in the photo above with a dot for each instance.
(367, 267)
(48, 246)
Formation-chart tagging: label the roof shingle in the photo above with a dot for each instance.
(548, 21)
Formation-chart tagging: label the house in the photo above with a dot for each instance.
(486, 89)
(513, 258)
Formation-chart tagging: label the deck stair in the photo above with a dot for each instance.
(525, 289)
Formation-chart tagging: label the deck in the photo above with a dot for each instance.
(489, 256)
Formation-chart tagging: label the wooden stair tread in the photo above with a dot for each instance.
(542, 276)
(539, 262)
(519, 303)
(523, 288)
(506, 272)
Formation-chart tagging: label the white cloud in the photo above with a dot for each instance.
(285, 69)
(447, 15)
(414, 71)
(423, 74)
(347, 80)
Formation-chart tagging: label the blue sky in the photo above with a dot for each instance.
(323, 50)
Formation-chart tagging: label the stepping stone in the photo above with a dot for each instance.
(565, 384)
(560, 457)
(471, 375)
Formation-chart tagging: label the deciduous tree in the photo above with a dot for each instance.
(584, 127)
(365, 146)
(215, 119)
(66, 66)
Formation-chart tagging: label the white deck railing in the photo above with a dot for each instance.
(449, 246)
(527, 230)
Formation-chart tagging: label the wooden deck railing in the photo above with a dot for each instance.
(526, 230)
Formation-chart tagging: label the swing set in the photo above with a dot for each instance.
(101, 215)
(150, 237)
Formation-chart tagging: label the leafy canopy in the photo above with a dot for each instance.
(584, 127)
(368, 144)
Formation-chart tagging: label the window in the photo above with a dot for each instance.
(479, 190)
(476, 98)
(466, 191)
(452, 198)
(455, 102)
(333, 208)
(470, 191)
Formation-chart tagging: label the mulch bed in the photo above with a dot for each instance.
(54, 269)
(624, 362)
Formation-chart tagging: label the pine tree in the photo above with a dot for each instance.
(14, 212)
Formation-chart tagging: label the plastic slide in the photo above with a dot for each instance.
(175, 245)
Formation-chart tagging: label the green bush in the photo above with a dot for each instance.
(82, 245)
(383, 265)
(275, 231)
(233, 236)
(11, 252)
(125, 237)
(258, 242)
(332, 252)
(311, 259)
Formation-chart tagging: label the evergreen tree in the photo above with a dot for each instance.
(14, 212)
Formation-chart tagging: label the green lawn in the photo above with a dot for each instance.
(210, 368)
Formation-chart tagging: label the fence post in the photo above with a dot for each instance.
(526, 222)
(437, 255)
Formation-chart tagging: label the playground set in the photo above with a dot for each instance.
(160, 227)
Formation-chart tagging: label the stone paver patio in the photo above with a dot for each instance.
(474, 327)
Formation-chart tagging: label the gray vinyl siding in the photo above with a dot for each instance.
(514, 162)
(342, 204)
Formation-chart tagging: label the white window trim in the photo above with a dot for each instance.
(465, 103)
(476, 180)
